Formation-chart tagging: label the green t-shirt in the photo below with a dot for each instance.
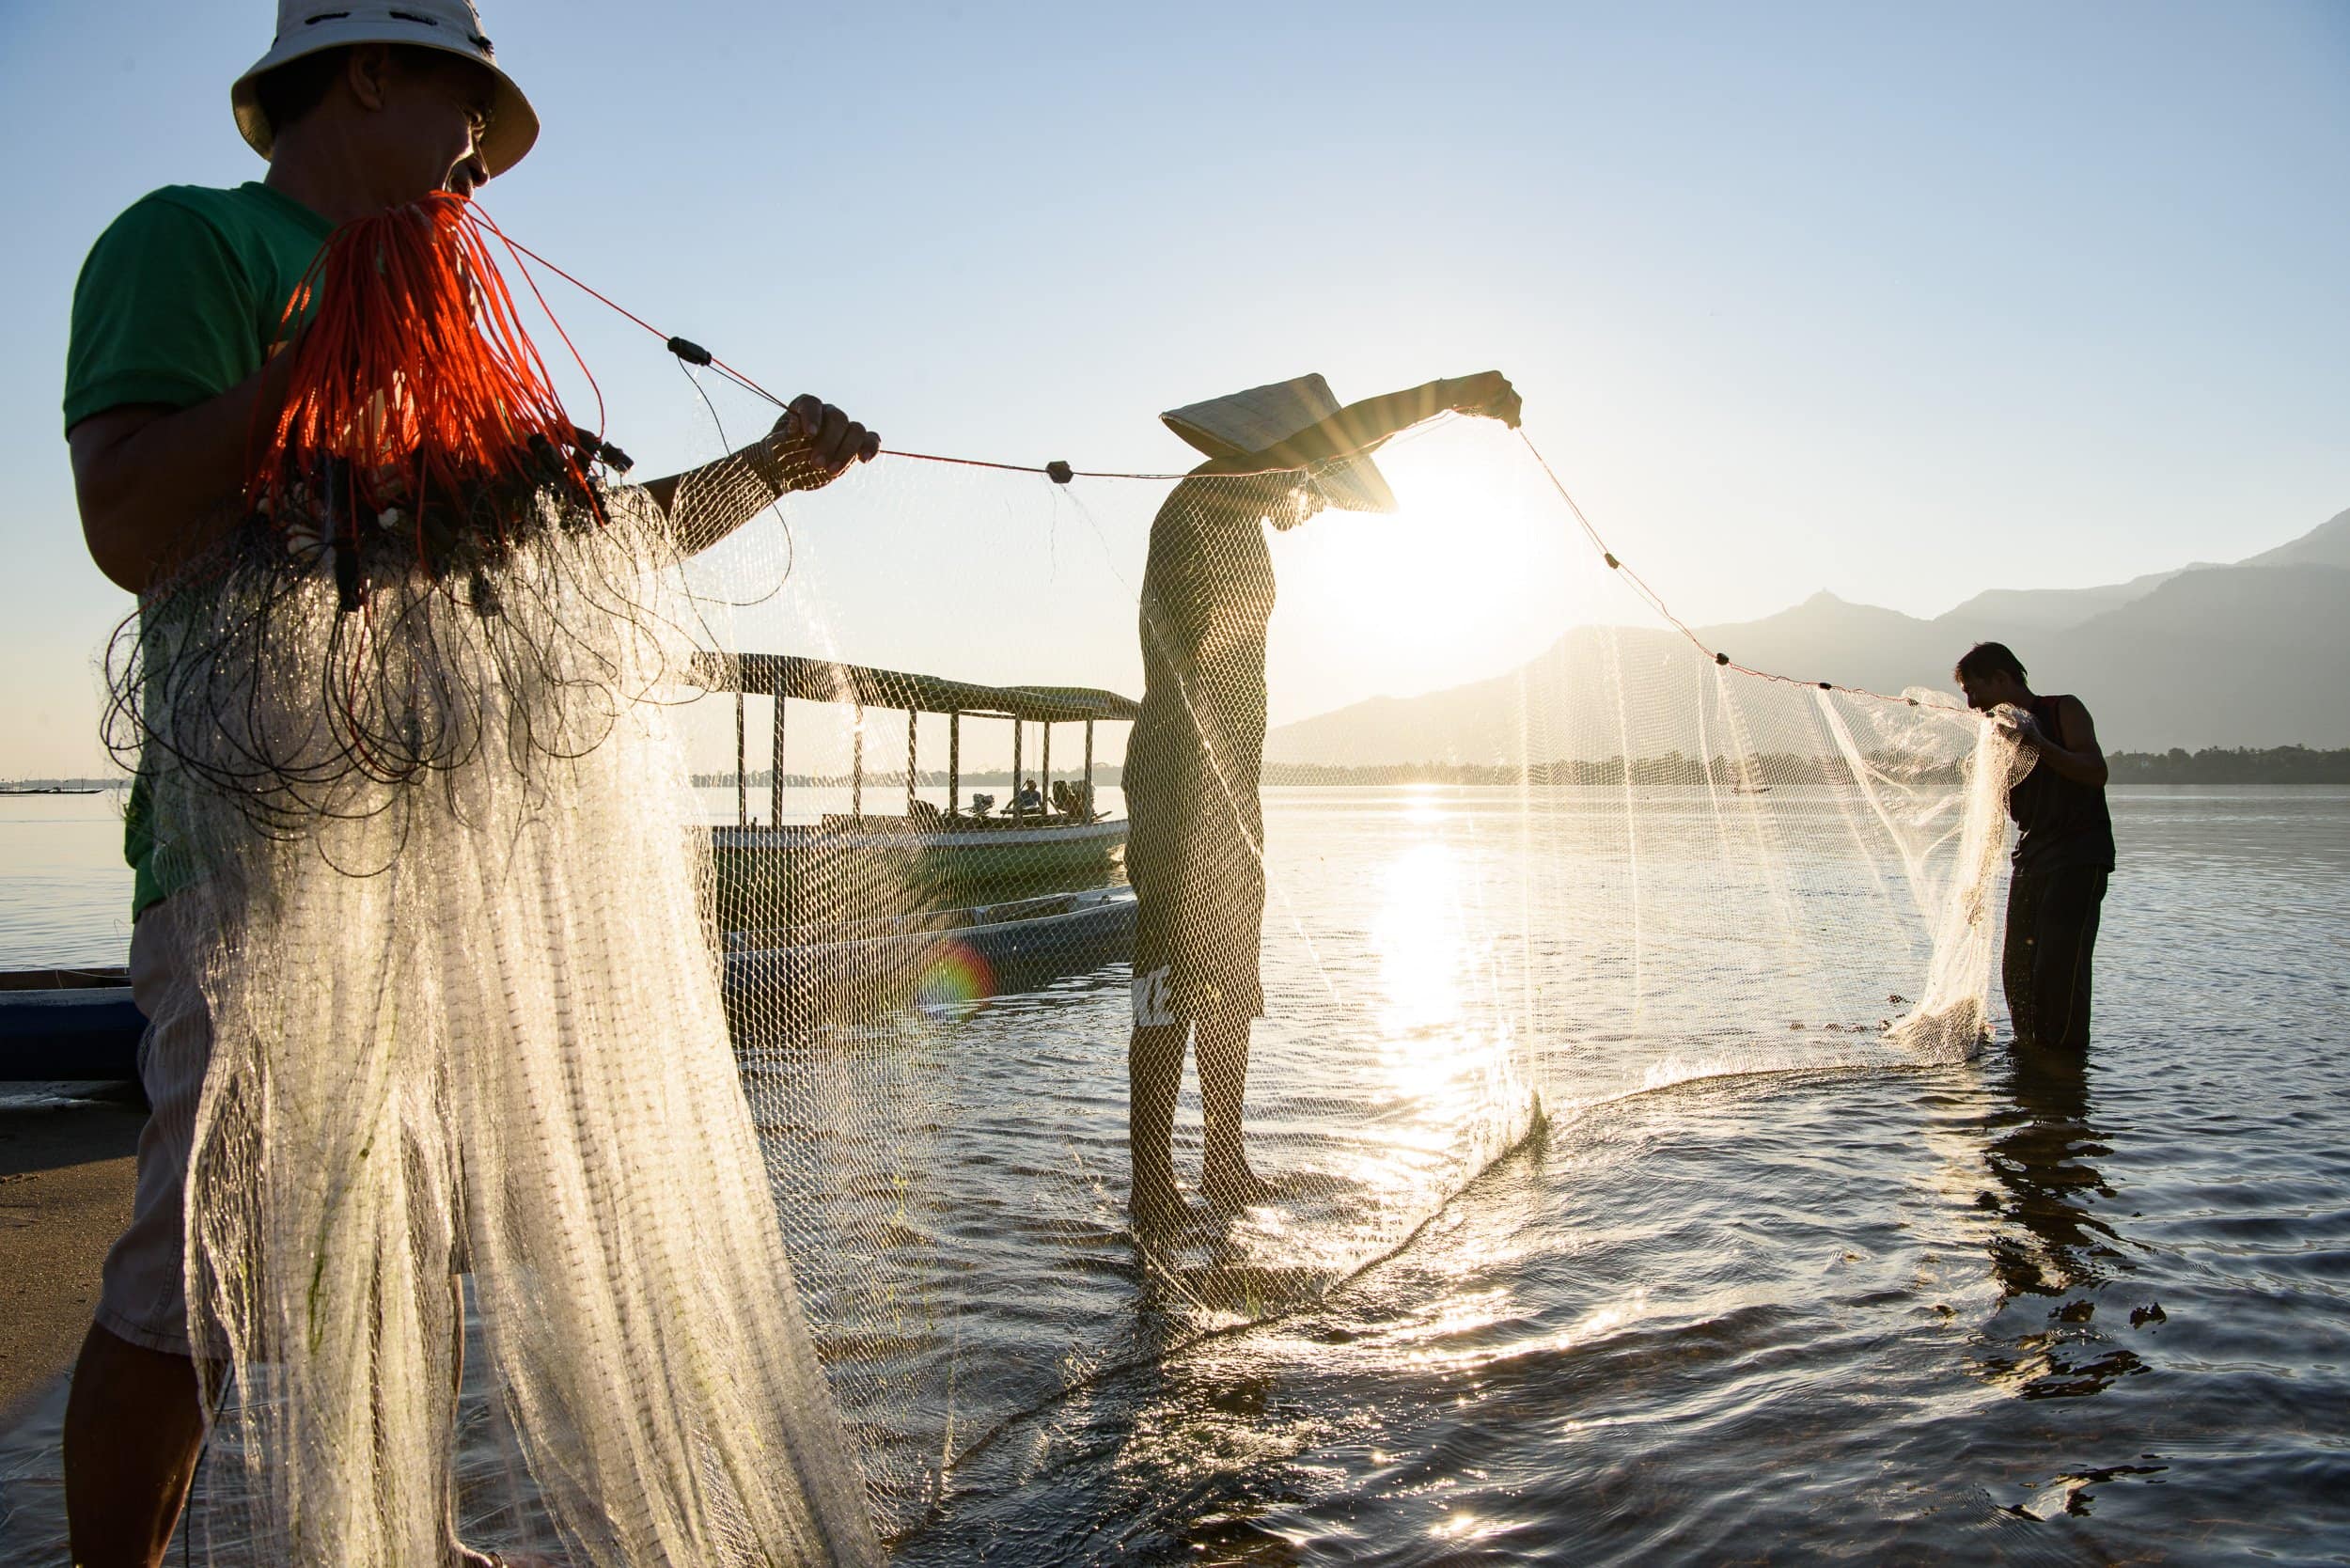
(182, 298)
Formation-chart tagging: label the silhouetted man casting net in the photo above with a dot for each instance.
(1276, 455)
(2063, 851)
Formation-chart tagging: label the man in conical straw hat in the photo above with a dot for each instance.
(174, 360)
(1278, 455)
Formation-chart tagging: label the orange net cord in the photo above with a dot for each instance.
(414, 383)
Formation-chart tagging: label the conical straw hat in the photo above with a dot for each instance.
(1240, 423)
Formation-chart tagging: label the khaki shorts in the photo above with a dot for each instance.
(143, 1294)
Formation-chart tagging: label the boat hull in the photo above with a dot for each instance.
(68, 1026)
(884, 866)
(771, 988)
(89, 1030)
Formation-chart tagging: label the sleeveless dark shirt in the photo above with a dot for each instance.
(1195, 829)
(2064, 823)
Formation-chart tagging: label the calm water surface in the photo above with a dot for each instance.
(65, 894)
(1958, 1314)
(1955, 1316)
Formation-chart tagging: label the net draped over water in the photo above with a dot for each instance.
(1612, 865)
(776, 1094)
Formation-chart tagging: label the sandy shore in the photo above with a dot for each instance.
(66, 1177)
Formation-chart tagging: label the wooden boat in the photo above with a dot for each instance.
(930, 908)
(862, 911)
(919, 858)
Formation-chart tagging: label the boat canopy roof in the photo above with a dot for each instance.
(823, 680)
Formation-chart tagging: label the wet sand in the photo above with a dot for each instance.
(66, 1178)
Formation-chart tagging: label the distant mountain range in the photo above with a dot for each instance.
(2251, 654)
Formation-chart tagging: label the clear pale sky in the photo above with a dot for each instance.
(1900, 301)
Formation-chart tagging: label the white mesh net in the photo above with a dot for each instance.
(800, 1118)
(1618, 865)
(467, 1018)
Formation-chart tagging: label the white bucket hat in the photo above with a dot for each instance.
(306, 26)
(1245, 422)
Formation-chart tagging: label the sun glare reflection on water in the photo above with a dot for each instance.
(1443, 1062)
(1416, 935)
(1410, 1036)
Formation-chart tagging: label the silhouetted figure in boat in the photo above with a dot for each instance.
(1195, 849)
(2063, 851)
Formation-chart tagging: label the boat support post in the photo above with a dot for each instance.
(1089, 794)
(1046, 794)
(741, 780)
(857, 766)
(910, 713)
(1014, 799)
(954, 764)
(774, 766)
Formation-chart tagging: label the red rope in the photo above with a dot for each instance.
(1656, 601)
(749, 386)
(730, 372)
(1648, 595)
(482, 218)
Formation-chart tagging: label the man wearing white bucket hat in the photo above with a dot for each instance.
(178, 319)
(1277, 454)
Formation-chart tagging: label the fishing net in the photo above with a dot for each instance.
(408, 746)
(1378, 947)
(677, 947)
(472, 1022)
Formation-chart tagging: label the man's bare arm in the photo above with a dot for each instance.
(156, 484)
(1359, 426)
(2072, 752)
(811, 446)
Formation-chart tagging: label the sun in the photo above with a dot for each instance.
(1463, 583)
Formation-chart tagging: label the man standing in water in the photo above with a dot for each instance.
(1276, 455)
(2063, 851)
(180, 320)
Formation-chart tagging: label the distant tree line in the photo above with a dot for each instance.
(1762, 771)
(2285, 765)
(877, 778)
(2276, 764)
